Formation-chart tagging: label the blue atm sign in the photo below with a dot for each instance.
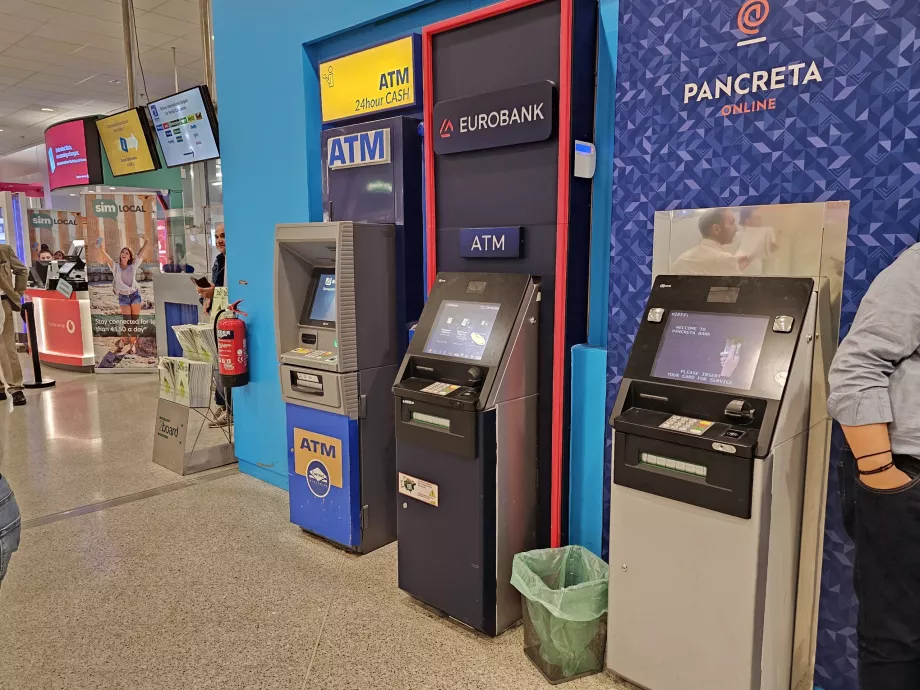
(360, 148)
(490, 243)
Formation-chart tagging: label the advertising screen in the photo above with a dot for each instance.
(462, 329)
(185, 127)
(73, 154)
(127, 143)
(323, 307)
(718, 349)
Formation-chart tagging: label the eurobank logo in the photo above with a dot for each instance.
(519, 115)
(318, 459)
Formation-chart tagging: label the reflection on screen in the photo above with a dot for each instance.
(462, 329)
(324, 302)
(718, 349)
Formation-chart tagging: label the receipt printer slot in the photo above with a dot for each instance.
(438, 427)
(716, 481)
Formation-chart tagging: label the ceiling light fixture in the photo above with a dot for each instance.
(72, 194)
(48, 110)
(114, 81)
(111, 189)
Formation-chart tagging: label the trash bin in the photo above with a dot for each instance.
(565, 610)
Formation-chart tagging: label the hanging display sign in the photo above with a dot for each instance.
(370, 81)
(521, 115)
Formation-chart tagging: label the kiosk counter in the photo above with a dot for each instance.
(63, 323)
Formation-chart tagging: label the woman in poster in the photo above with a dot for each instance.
(126, 287)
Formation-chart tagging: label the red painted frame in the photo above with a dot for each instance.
(562, 208)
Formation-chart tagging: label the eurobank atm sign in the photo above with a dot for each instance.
(520, 115)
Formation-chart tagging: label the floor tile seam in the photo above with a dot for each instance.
(89, 508)
(322, 629)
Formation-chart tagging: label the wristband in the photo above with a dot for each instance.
(873, 455)
(877, 470)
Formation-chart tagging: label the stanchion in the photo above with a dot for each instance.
(28, 309)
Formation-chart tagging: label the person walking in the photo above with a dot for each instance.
(13, 278)
(875, 395)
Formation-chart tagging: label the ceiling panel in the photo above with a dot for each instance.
(68, 55)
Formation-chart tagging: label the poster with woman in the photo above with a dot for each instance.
(121, 255)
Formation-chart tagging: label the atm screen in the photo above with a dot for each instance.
(323, 306)
(717, 349)
(462, 329)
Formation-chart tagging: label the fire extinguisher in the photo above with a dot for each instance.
(230, 334)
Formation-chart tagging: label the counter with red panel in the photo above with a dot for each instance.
(63, 328)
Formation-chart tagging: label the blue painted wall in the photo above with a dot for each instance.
(853, 136)
(265, 55)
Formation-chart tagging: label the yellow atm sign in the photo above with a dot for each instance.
(370, 81)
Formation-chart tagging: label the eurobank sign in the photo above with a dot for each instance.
(382, 78)
(519, 115)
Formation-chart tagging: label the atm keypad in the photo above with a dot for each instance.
(686, 425)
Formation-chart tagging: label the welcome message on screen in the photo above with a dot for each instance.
(718, 349)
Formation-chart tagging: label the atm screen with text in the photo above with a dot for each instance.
(323, 307)
(716, 349)
(462, 329)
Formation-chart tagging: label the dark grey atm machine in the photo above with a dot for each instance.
(711, 434)
(466, 430)
(340, 340)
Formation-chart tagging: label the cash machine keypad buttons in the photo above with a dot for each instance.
(686, 425)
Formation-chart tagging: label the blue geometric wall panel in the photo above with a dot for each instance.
(852, 136)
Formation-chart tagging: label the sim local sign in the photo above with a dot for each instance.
(107, 208)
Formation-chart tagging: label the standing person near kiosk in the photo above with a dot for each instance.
(218, 270)
(875, 395)
(13, 278)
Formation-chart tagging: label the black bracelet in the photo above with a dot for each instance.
(872, 455)
(877, 470)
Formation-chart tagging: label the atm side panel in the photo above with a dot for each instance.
(378, 457)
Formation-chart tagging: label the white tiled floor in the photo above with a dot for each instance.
(205, 586)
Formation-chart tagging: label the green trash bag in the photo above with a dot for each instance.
(565, 607)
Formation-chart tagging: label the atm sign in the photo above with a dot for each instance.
(360, 148)
(490, 243)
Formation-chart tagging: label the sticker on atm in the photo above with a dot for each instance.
(419, 489)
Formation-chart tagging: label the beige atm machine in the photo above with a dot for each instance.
(720, 447)
(340, 336)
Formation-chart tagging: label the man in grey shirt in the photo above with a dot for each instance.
(875, 395)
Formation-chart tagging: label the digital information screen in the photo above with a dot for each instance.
(67, 154)
(323, 308)
(718, 349)
(183, 128)
(124, 139)
(462, 329)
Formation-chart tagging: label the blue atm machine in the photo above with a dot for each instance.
(346, 292)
